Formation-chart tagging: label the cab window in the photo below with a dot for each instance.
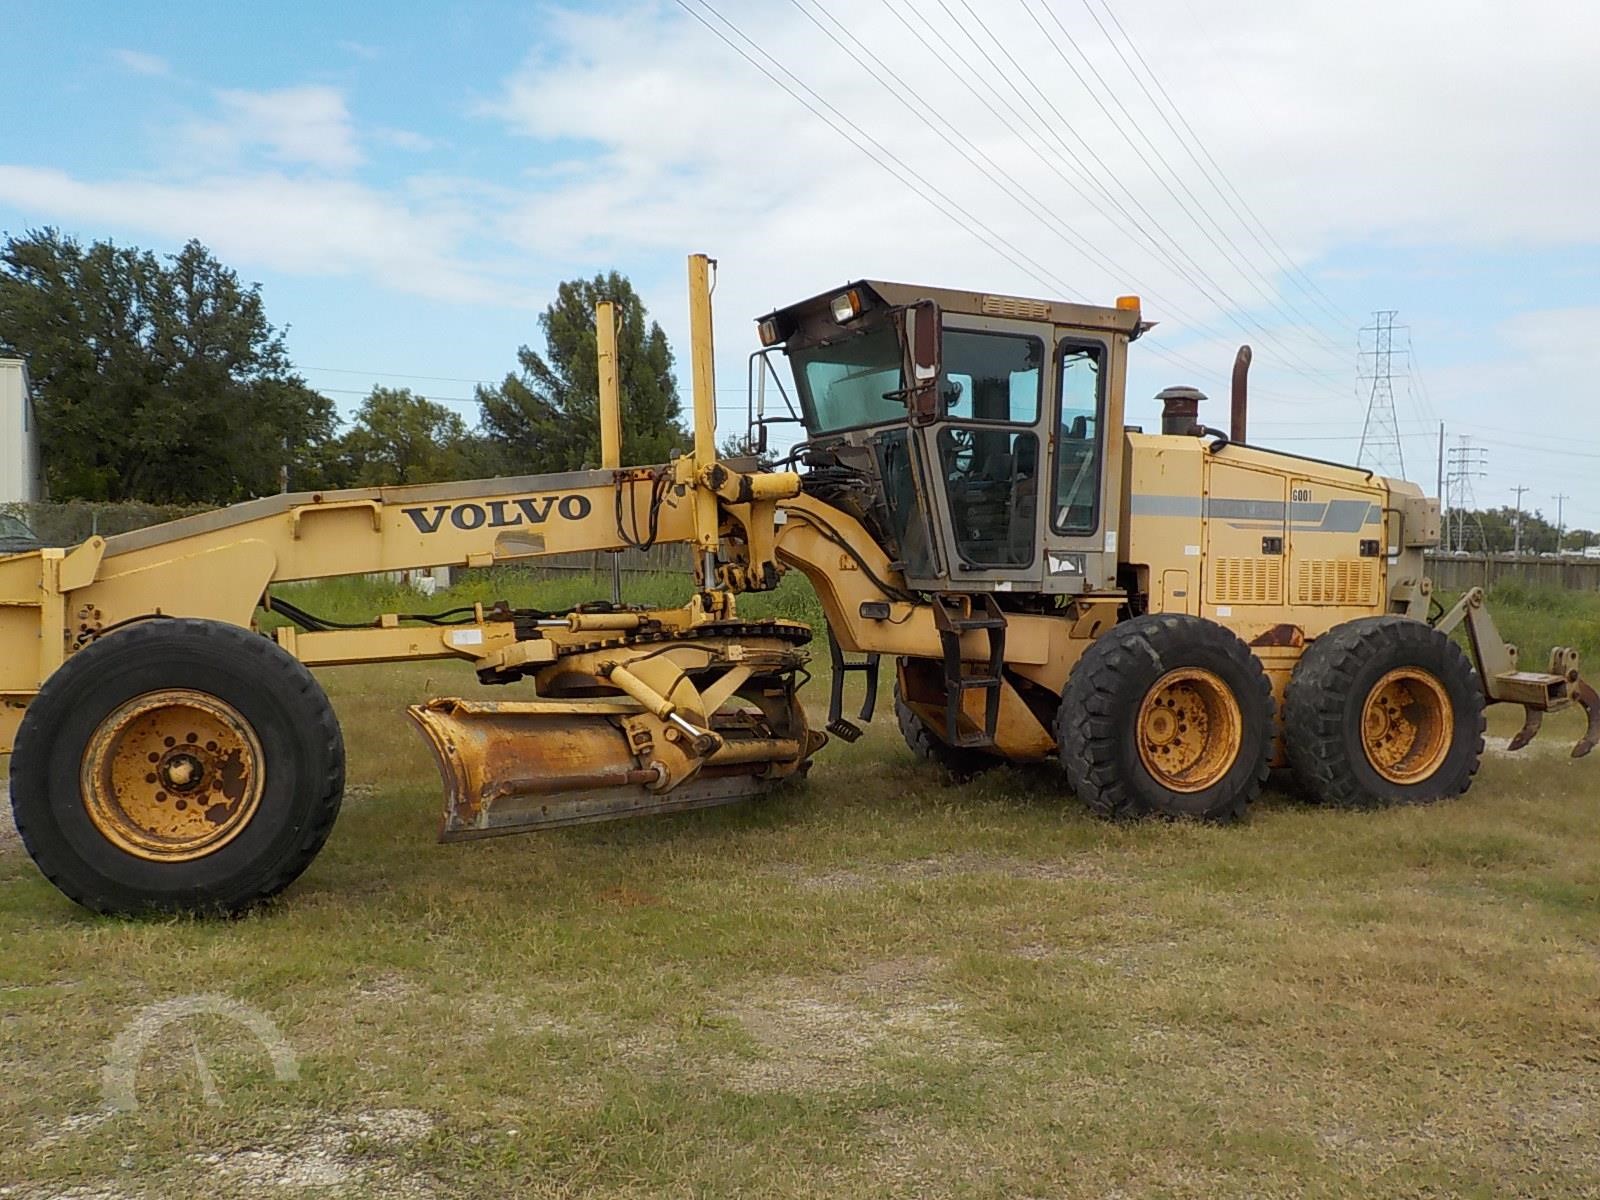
(990, 476)
(1078, 439)
(851, 382)
(992, 377)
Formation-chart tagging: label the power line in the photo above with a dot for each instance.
(1307, 285)
(1242, 263)
(971, 224)
(1137, 228)
(1242, 318)
(1141, 229)
(1128, 223)
(996, 175)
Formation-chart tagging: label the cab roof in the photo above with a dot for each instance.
(951, 300)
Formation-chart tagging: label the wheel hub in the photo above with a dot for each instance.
(172, 775)
(1405, 725)
(1189, 730)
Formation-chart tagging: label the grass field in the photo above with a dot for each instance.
(872, 985)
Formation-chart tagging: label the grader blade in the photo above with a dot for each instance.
(512, 767)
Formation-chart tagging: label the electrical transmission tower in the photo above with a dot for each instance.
(1464, 463)
(1380, 435)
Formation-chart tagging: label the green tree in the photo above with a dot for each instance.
(545, 417)
(157, 380)
(1495, 530)
(398, 437)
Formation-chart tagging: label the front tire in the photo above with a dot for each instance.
(177, 765)
(1383, 710)
(959, 763)
(1166, 715)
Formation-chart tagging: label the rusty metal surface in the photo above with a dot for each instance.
(513, 766)
(1531, 724)
(1239, 397)
(1586, 696)
(1280, 635)
(1407, 725)
(172, 775)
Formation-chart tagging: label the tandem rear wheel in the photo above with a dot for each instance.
(177, 765)
(1167, 715)
(1383, 710)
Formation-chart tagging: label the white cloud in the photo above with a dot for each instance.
(310, 226)
(405, 139)
(1456, 131)
(1452, 126)
(141, 63)
(308, 125)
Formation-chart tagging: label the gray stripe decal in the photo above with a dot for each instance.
(1335, 516)
(1345, 516)
(1245, 510)
(1151, 505)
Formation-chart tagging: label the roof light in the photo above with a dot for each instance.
(1128, 303)
(846, 306)
(768, 331)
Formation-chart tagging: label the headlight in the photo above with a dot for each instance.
(846, 306)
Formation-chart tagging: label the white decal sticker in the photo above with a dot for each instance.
(1111, 541)
(1224, 610)
(1191, 551)
(467, 637)
(1005, 585)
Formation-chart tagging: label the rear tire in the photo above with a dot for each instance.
(960, 764)
(1166, 715)
(1383, 710)
(177, 766)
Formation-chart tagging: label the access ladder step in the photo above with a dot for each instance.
(954, 616)
(868, 668)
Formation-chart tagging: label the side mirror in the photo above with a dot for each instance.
(923, 338)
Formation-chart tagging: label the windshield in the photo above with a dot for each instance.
(842, 384)
(11, 527)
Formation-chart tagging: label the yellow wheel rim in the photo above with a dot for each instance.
(1406, 725)
(172, 775)
(1189, 730)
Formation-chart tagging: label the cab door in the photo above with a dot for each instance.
(1079, 532)
(985, 454)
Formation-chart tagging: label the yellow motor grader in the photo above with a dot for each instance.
(1164, 614)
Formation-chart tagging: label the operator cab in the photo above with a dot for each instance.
(967, 431)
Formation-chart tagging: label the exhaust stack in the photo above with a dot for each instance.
(1240, 395)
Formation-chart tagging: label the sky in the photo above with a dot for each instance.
(408, 183)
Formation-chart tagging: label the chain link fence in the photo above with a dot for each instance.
(70, 522)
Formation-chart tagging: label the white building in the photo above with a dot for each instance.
(19, 435)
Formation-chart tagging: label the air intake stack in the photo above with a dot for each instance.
(1180, 409)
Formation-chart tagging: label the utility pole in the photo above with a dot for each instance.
(1441, 461)
(1561, 499)
(1517, 545)
(1380, 435)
